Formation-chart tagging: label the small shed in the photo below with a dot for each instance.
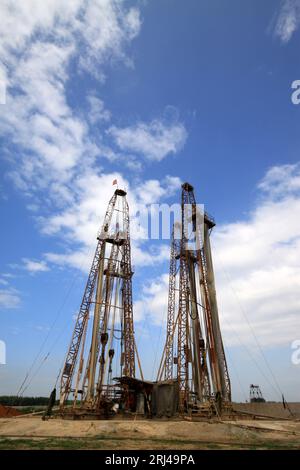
(165, 399)
(157, 399)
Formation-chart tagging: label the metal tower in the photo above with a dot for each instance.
(256, 395)
(194, 352)
(102, 344)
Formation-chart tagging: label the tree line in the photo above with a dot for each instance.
(11, 400)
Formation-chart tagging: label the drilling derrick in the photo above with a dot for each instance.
(102, 345)
(194, 353)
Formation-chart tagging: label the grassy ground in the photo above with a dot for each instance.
(110, 443)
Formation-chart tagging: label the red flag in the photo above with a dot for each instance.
(114, 182)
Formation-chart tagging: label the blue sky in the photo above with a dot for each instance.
(151, 93)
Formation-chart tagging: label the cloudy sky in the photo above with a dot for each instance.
(152, 93)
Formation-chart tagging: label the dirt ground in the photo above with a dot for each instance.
(8, 411)
(270, 409)
(33, 433)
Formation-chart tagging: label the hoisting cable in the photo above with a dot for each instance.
(163, 320)
(252, 331)
(36, 372)
(233, 365)
(59, 311)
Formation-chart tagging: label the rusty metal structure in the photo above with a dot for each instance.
(194, 352)
(102, 345)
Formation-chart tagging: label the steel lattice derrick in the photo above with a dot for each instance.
(110, 276)
(129, 349)
(200, 382)
(107, 275)
(183, 342)
(199, 254)
(218, 361)
(88, 383)
(183, 317)
(168, 365)
(196, 287)
(83, 315)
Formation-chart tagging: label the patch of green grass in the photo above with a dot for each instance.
(48, 443)
(32, 409)
(111, 442)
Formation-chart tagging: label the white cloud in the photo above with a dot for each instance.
(153, 301)
(288, 20)
(33, 266)
(154, 140)
(257, 268)
(38, 42)
(79, 222)
(23, 19)
(42, 328)
(173, 183)
(81, 219)
(97, 110)
(80, 259)
(106, 28)
(8, 275)
(281, 180)
(103, 26)
(9, 298)
(151, 191)
(150, 256)
(57, 159)
(261, 256)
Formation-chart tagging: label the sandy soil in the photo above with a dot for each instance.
(147, 434)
